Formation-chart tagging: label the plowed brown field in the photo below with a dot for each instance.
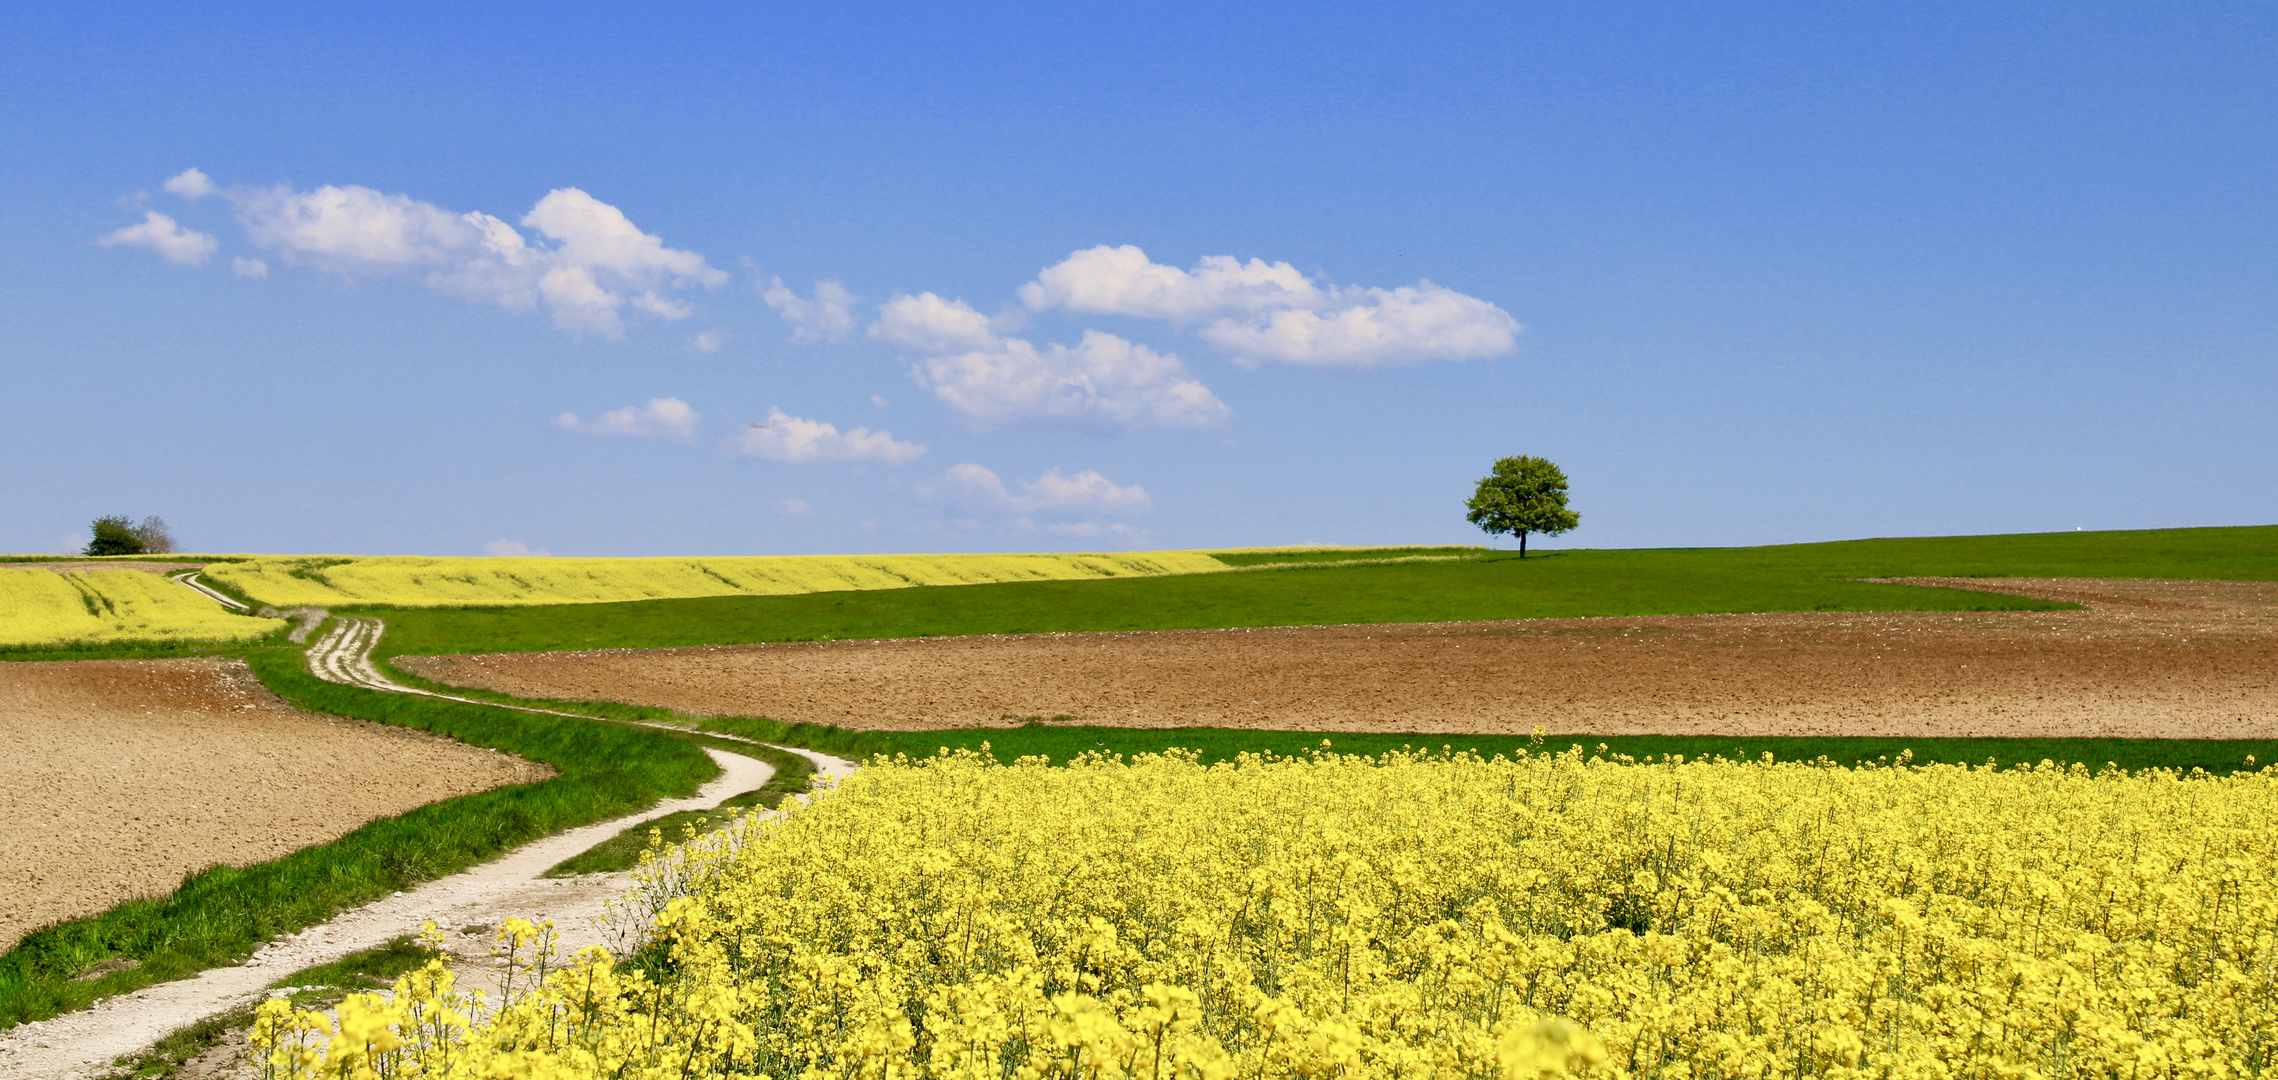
(121, 776)
(2147, 659)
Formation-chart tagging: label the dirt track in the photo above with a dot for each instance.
(2148, 659)
(122, 776)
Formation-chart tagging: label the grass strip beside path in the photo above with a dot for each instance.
(219, 915)
(793, 775)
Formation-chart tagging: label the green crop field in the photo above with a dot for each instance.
(1326, 588)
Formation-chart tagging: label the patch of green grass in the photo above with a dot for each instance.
(623, 851)
(1495, 588)
(220, 914)
(1062, 742)
(371, 969)
(1669, 581)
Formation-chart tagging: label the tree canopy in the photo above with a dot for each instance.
(119, 535)
(1522, 495)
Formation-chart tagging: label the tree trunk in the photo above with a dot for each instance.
(1522, 543)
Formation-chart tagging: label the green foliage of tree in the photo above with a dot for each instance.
(1522, 495)
(115, 535)
(119, 535)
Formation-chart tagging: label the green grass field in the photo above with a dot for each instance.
(1674, 581)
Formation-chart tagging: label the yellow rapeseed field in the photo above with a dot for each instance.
(409, 581)
(1412, 917)
(41, 607)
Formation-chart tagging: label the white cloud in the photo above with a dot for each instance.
(514, 549)
(878, 400)
(1103, 381)
(1123, 281)
(978, 489)
(709, 341)
(249, 268)
(661, 418)
(190, 184)
(926, 324)
(828, 316)
(592, 265)
(793, 439)
(795, 508)
(1258, 312)
(166, 237)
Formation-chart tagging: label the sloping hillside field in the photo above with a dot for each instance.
(40, 607)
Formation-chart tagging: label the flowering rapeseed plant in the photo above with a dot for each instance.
(417, 581)
(1420, 916)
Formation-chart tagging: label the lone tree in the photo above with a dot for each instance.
(119, 535)
(1522, 495)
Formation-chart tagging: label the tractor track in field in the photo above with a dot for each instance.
(83, 1045)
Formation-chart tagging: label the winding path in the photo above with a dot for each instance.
(81, 1045)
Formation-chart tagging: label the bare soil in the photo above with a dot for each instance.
(2147, 659)
(123, 776)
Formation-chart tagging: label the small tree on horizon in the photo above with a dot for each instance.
(1522, 495)
(118, 534)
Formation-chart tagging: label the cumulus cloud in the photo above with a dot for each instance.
(826, 316)
(190, 184)
(586, 264)
(797, 440)
(661, 418)
(514, 549)
(709, 341)
(165, 237)
(978, 489)
(795, 508)
(1259, 312)
(1103, 381)
(1124, 281)
(249, 268)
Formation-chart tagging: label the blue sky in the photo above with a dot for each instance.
(455, 279)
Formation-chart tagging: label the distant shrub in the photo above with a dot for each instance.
(119, 535)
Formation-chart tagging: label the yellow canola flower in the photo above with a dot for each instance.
(41, 607)
(1423, 916)
(411, 581)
